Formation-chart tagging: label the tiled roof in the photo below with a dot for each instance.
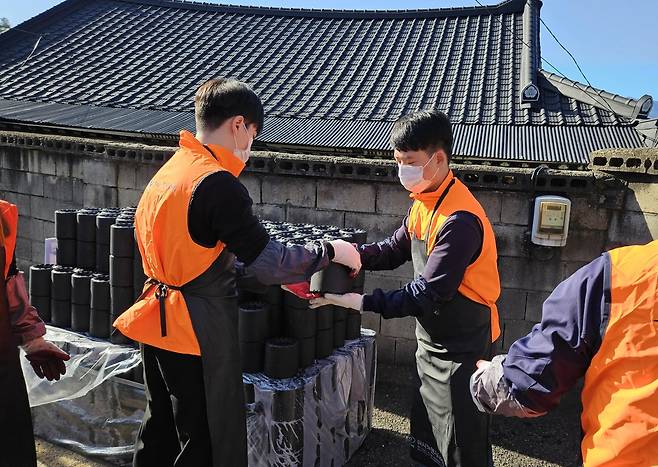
(520, 143)
(318, 72)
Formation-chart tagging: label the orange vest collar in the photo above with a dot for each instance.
(480, 282)
(433, 196)
(8, 232)
(226, 158)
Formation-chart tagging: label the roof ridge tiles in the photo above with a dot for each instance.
(621, 105)
(504, 7)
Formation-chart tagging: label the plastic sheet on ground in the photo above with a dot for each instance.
(318, 418)
(92, 362)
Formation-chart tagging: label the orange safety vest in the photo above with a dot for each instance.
(169, 255)
(481, 282)
(620, 396)
(8, 231)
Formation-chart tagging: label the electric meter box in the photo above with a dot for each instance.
(550, 223)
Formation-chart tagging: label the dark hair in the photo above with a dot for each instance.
(423, 131)
(219, 99)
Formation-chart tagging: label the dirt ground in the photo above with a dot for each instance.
(49, 455)
(552, 440)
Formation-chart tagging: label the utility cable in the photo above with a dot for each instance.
(574, 61)
(593, 96)
(566, 50)
(28, 32)
(36, 45)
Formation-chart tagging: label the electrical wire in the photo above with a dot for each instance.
(574, 61)
(566, 50)
(557, 70)
(651, 139)
(28, 32)
(36, 45)
(593, 96)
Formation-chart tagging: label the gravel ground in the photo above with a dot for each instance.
(49, 455)
(552, 440)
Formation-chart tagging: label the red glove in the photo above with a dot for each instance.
(301, 289)
(47, 359)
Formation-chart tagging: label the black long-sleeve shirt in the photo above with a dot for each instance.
(221, 210)
(458, 244)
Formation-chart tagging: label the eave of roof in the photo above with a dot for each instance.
(624, 106)
(558, 145)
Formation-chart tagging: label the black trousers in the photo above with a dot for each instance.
(174, 431)
(16, 435)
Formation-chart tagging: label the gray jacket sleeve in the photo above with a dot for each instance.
(491, 393)
(279, 264)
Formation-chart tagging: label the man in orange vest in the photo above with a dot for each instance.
(192, 221)
(20, 325)
(449, 239)
(600, 323)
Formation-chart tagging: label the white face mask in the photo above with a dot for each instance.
(243, 154)
(413, 178)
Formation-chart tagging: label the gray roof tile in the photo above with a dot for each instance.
(307, 66)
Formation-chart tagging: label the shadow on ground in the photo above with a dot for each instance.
(554, 437)
(552, 440)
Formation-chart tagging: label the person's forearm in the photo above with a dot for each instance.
(492, 393)
(387, 254)
(278, 264)
(414, 299)
(543, 365)
(25, 322)
(391, 304)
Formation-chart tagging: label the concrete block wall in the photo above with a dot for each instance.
(528, 274)
(40, 181)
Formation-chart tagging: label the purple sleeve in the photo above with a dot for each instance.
(458, 244)
(387, 254)
(25, 322)
(546, 363)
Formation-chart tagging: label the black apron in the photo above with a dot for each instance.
(446, 427)
(212, 302)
